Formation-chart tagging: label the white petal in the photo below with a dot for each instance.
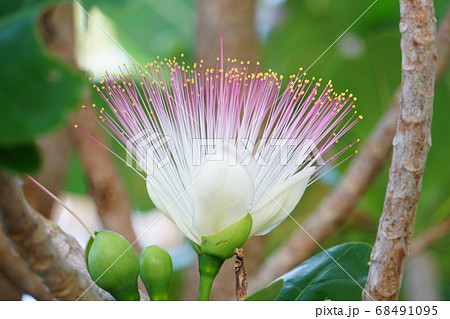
(223, 193)
(279, 203)
(170, 209)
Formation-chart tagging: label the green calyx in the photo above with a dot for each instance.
(223, 244)
(216, 248)
(156, 271)
(113, 265)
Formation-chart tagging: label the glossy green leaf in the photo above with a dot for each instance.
(338, 273)
(37, 92)
(268, 293)
(22, 158)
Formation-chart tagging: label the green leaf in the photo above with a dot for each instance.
(22, 158)
(37, 92)
(338, 273)
(268, 293)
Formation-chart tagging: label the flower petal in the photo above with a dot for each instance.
(172, 211)
(223, 193)
(280, 202)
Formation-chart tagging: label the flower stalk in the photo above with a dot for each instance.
(208, 267)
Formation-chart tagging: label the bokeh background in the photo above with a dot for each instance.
(50, 48)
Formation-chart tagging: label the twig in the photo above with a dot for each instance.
(411, 144)
(430, 236)
(240, 274)
(339, 204)
(28, 235)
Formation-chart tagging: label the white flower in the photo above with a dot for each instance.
(216, 145)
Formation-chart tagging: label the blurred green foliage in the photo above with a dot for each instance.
(37, 91)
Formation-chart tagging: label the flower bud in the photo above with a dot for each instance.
(113, 265)
(156, 271)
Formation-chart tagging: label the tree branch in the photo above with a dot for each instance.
(338, 205)
(27, 232)
(430, 236)
(14, 269)
(411, 144)
(105, 185)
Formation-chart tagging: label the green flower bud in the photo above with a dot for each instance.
(113, 265)
(156, 271)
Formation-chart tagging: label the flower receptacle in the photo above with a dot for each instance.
(223, 244)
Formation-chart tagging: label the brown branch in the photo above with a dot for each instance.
(411, 144)
(240, 274)
(8, 290)
(340, 203)
(430, 236)
(15, 269)
(105, 185)
(27, 233)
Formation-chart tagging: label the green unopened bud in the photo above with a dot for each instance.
(113, 265)
(216, 248)
(156, 271)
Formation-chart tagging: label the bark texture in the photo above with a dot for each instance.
(16, 271)
(411, 144)
(333, 210)
(28, 234)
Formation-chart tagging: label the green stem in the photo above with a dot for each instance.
(208, 267)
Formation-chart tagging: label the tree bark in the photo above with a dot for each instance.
(28, 235)
(411, 144)
(339, 204)
(14, 268)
